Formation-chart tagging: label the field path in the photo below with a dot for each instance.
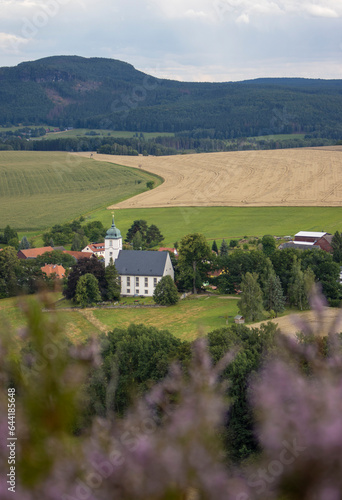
(89, 315)
(290, 177)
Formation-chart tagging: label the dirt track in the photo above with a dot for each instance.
(293, 177)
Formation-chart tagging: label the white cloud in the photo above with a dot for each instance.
(11, 43)
(241, 9)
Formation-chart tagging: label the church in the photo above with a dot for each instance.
(139, 270)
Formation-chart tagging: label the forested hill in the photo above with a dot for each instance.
(73, 91)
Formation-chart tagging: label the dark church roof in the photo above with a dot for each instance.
(141, 262)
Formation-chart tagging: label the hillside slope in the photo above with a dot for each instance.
(73, 91)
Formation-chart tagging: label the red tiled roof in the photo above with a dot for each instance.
(32, 253)
(164, 249)
(79, 255)
(49, 269)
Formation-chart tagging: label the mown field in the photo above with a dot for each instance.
(189, 318)
(75, 325)
(39, 189)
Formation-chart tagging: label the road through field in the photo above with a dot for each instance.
(290, 177)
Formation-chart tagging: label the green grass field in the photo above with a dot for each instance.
(75, 325)
(275, 137)
(84, 132)
(227, 222)
(39, 189)
(188, 319)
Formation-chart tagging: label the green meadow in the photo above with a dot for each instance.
(227, 222)
(73, 323)
(40, 189)
(84, 132)
(190, 318)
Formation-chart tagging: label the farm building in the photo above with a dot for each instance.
(33, 253)
(139, 270)
(311, 239)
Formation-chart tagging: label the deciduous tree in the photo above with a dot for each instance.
(251, 303)
(194, 256)
(113, 288)
(268, 244)
(84, 266)
(166, 293)
(87, 290)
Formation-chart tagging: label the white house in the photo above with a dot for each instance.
(139, 270)
(97, 248)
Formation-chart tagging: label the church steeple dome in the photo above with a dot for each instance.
(113, 232)
(113, 243)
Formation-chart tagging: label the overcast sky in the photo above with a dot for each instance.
(189, 40)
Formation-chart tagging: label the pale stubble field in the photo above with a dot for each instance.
(290, 177)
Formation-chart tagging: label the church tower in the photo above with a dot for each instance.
(113, 243)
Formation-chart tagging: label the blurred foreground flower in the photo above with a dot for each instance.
(298, 400)
(167, 447)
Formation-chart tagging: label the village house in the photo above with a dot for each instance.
(54, 270)
(172, 250)
(96, 248)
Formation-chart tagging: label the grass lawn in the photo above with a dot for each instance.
(74, 324)
(40, 189)
(190, 318)
(187, 320)
(227, 222)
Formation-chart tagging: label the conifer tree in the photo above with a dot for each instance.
(224, 248)
(24, 244)
(214, 247)
(273, 294)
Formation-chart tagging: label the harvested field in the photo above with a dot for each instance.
(291, 177)
(289, 324)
